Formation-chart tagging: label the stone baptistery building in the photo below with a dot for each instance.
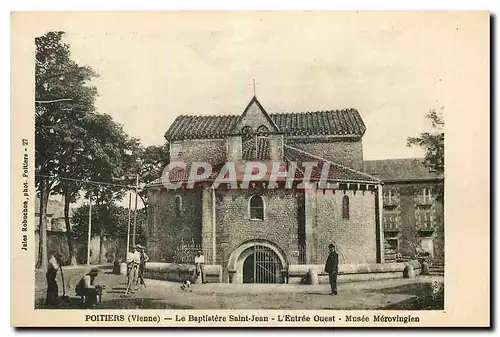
(256, 233)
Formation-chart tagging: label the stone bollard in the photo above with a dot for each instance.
(409, 271)
(116, 267)
(313, 276)
(123, 269)
(425, 268)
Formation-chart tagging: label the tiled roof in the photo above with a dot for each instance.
(333, 122)
(201, 127)
(178, 175)
(406, 169)
(337, 172)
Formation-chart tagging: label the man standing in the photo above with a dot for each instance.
(332, 268)
(133, 262)
(142, 265)
(199, 261)
(52, 288)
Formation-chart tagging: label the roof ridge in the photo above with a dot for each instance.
(312, 111)
(215, 114)
(334, 163)
(212, 114)
(212, 125)
(386, 159)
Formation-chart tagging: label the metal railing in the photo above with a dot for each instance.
(427, 225)
(391, 226)
(424, 200)
(390, 201)
(186, 252)
(317, 254)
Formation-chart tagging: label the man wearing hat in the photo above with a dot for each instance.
(142, 265)
(86, 288)
(332, 268)
(199, 261)
(52, 288)
(133, 262)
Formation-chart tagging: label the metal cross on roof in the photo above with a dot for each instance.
(253, 86)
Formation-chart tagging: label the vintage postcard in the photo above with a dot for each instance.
(250, 169)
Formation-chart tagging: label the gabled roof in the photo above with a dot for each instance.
(317, 123)
(263, 111)
(406, 169)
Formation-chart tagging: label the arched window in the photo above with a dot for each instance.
(345, 207)
(256, 208)
(178, 205)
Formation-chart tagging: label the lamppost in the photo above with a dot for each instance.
(135, 208)
(90, 229)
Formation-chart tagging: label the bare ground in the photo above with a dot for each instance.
(410, 294)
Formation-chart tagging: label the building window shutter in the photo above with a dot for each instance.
(256, 208)
(345, 207)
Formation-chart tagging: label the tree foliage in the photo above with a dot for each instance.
(111, 219)
(63, 97)
(75, 144)
(432, 143)
(151, 161)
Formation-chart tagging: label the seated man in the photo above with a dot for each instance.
(87, 290)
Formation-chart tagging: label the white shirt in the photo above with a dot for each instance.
(87, 281)
(53, 263)
(134, 257)
(199, 259)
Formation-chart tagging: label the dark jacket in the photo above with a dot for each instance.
(332, 263)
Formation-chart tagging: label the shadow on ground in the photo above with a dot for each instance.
(423, 297)
(120, 303)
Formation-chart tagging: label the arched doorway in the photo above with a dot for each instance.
(257, 261)
(262, 265)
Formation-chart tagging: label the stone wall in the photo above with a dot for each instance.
(234, 227)
(287, 223)
(167, 227)
(353, 272)
(181, 272)
(254, 118)
(345, 152)
(355, 237)
(58, 242)
(408, 234)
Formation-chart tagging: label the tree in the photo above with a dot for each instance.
(109, 161)
(108, 220)
(433, 144)
(62, 99)
(152, 160)
(73, 167)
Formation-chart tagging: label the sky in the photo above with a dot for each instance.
(392, 68)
